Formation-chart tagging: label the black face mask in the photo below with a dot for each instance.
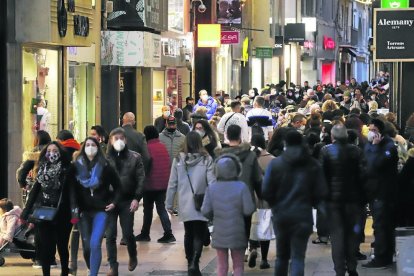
(171, 130)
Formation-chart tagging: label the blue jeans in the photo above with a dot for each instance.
(92, 227)
(291, 243)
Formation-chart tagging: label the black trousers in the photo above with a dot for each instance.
(322, 224)
(157, 197)
(345, 229)
(51, 235)
(194, 234)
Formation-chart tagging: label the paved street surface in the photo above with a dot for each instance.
(169, 259)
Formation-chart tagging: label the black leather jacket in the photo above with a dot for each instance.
(345, 169)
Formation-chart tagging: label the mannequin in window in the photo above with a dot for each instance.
(42, 116)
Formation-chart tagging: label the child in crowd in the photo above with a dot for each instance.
(9, 220)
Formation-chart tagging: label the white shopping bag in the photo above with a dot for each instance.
(262, 226)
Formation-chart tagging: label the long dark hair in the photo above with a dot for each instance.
(63, 153)
(100, 157)
(101, 132)
(276, 143)
(42, 139)
(193, 144)
(209, 132)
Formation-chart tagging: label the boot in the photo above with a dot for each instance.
(133, 262)
(193, 267)
(113, 271)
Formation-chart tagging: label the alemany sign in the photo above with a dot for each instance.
(230, 37)
(393, 35)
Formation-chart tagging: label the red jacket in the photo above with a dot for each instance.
(157, 178)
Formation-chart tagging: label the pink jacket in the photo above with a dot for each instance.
(8, 223)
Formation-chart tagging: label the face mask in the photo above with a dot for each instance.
(171, 130)
(352, 94)
(202, 133)
(290, 94)
(371, 136)
(297, 89)
(296, 95)
(53, 156)
(302, 128)
(338, 83)
(373, 97)
(321, 136)
(119, 145)
(91, 151)
(273, 92)
(204, 98)
(166, 113)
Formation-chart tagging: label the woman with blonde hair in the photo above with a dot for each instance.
(329, 105)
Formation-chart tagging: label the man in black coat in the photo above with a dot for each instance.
(136, 140)
(344, 169)
(293, 184)
(382, 161)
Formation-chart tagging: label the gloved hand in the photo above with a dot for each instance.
(74, 221)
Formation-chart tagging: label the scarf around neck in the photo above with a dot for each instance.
(90, 180)
(48, 177)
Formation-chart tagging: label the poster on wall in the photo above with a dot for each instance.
(158, 96)
(229, 11)
(171, 81)
(122, 48)
(176, 16)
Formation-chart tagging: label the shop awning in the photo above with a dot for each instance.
(349, 49)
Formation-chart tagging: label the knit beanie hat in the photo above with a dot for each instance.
(227, 167)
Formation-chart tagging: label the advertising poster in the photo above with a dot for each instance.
(122, 48)
(176, 16)
(229, 11)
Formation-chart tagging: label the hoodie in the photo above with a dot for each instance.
(293, 183)
(9, 221)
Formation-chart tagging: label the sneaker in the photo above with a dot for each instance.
(123, 242)
(252, 258)
(142, 238)
(37, 264)
(375, 264)
(167, 238)
(264, 264)
(320, 240)
(361, 257)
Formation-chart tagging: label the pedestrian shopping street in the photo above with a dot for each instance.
(169, 259)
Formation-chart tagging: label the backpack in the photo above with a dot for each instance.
(257, 129)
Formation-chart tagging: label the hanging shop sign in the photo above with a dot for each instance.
(295, 32)
(230, 37)
(209, 35)
(328, 43)
(229, 12)
(308, 44)
(264, 52)
(245, 51)
(122, 48)
(395, 4)
(393, 39)
(152, 50)
(278, 48)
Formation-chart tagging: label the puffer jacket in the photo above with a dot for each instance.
(9, 221)
(293, 184)
(173, 141)
(344, 167)
(251, 173)
(211, 107)
(200, 172)
(130, 169)
(159, 173)
(227, 203)
(25, 173)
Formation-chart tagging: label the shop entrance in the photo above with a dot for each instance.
(328, 73)
(127, 91)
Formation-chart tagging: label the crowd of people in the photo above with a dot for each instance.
(215, 163)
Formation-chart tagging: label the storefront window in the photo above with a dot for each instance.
(159, 96)
(40, 101)
(80, 99)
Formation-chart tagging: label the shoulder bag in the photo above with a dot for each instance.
(198, 198)
(45, 213)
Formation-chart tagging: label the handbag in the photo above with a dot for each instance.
(262, 226)
(198, 198)
(46, 213)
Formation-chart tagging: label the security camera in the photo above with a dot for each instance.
(202, 8)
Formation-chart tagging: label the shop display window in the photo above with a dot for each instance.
(41, 86)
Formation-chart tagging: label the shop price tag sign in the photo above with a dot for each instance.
(264, 52)
(393, 35)
(230, 37)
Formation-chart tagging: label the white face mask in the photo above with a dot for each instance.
(273, 92)
(371, 136)
(338, 83)
(204, 98)
(373, 97)
(91, 151)
(302, 128)
(166, 113)
(321, 136)
(119, 145)
(202, 133)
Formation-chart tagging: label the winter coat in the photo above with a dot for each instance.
(159, 173)
(136, 142)
(173, 142)
(251, 172)
(264, 158)
(211, 107)
(183, 127)
(382, 163)
(200, 172)
(159, 123)
(344, 167)
(26, 172)
(293, 183)
(129, 166)
(227, 203)
(9, 221)
(103, 195)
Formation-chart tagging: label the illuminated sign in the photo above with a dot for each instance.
(209, 35)
(245, 57)
(309, 44)
(230, 37)
(328, 43)
(394, 4)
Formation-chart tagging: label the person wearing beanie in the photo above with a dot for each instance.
(348, 101)
(155, 187)
(382, 171)
(227, 201)
(293, 182)
(130, 168)
(182, 126)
